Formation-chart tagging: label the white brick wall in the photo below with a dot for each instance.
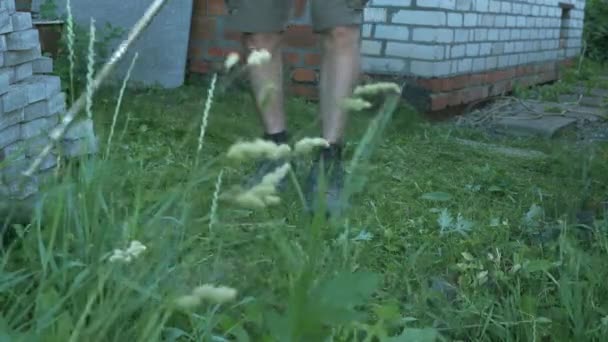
(440, 38)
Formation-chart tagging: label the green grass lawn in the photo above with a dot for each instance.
(442, 240)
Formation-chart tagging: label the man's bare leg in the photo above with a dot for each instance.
(339, 72)
(267, 85)
(267, 82)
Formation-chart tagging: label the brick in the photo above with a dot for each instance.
(413, 17)
(312, 59)
(481, 34)
(291, 58)
(433, 35)
(42, 65)
(465, 65)
(470, 19)
(393, 3)
(445, 4)
(12, 58)
(15, 98)
(10, 6)
(417, 51)
(15, 151)
(472, 50)
(487, 20)
(500, 88)
(455, 98)
(5, 22)
(455, 19)
(300, 36)
(51, 84)
(459, 82)
(430, 69)
(44, 108)
(393, 32)
(435, 85)
(458, 51)
(216, 7)
(475, 93)
(366, 30)
(233, 36)
(371, 47)
(485, 49)
(461, 35)
(21, 21)
(5, 80)
(304, 75)
(439, 101)
(10, 135)
(217, 52)
(482, 6)
(494, 6)
(203, 28)
(22, 71)
(8, 119)
(199, 66)
(477, 79)
(306, 91)
(35, 145)
(374, 14)
(464, 5)
(38, 126)
(382, 65)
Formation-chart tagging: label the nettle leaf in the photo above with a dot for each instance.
(437, 196)
(335, 299)
(416, 335)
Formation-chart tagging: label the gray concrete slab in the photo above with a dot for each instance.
(545, 126)
(162, 48)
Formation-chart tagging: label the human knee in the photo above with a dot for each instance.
(342, 37)
(267, 41)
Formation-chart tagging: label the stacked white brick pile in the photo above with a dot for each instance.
(442, 38)
(31, 104)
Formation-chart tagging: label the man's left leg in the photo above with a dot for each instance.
(338, 21)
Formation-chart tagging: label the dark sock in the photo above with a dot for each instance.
(277, 138)
(333, 153)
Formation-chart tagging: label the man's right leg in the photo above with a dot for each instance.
(261, 22)
(267, 83)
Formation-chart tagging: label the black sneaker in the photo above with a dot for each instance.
(327, 173)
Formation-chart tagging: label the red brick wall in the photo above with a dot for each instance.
(210, 42)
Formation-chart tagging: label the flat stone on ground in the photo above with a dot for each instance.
(504, 150)
(545, 126)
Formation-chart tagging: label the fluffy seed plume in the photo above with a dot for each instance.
(258, 148)
(127, 255)
(257, 57)
(375, 88)
(232, 59)
(355, 104)
(216, 294)
(265, 193)
(207, 292)
(306, 145)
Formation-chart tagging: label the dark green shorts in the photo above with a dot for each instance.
(259, 16)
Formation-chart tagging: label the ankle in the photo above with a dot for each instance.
(278, 138)
(332, 153)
